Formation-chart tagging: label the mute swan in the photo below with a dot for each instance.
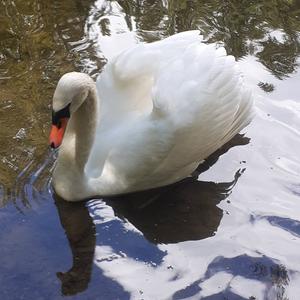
(156, 111)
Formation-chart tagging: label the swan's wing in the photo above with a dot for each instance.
(146, 59)
(202, 92)
(126, 82)
(191, 91)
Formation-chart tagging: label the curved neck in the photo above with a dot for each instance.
(77, 142)
(84, 126)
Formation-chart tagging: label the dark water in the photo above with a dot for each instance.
(233, 234)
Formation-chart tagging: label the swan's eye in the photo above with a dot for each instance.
(59, 124)
(57, 116)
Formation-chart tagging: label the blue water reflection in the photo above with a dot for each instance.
(292, 226)
(229, 232)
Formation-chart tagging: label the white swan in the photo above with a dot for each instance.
(156, 111)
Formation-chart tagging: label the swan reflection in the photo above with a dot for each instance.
(181, 212)
(81, 234)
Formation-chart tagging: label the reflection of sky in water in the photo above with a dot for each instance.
(292, 226)
(255, 72)
(116, 238)
(109, 32)
(241, 275)
(217, 266)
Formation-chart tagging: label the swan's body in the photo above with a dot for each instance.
(156, 111)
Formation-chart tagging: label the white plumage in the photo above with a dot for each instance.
(162, 108)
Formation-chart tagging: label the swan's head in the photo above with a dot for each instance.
(71, 91)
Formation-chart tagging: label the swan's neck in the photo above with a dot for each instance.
(69, 176)
(84, 126)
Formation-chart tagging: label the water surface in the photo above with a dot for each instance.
(232, 234)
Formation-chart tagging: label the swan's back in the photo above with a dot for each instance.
(193, 90)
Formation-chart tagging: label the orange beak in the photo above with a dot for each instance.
(57, 133)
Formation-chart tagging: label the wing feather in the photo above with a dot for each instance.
(207, 102)
(192, 90)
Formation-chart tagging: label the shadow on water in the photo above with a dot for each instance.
(181, 212)
(81, 234)
(184, 211)
(261, 268)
